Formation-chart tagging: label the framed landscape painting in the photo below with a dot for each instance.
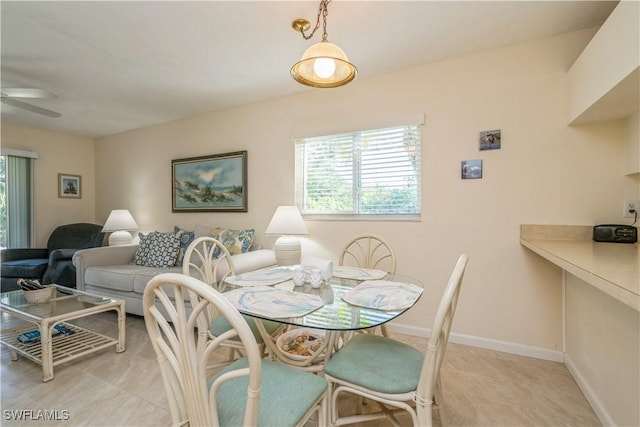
(216, 183)
(69, 186)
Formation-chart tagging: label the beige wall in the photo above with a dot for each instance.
(603, 351)
(545, 173)
(57, 153)
(633, 146)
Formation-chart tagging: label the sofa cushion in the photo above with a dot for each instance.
(142, 277)
(25, 268)
(124, 278)
(203, 231)
(158, 249)
(116, 277)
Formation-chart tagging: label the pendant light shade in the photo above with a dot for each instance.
(324, 65)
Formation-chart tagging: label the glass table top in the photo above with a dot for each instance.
(64, 301)
(335, 313)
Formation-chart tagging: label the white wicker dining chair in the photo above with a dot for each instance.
(369, 251)
(208, 260)
(251, 391)
(396, 375)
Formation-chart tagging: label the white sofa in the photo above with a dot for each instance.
(108, 271)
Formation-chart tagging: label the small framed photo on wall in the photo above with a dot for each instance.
(471, 169)
(489, 140)
(69, 186)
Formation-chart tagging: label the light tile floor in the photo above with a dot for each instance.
(482, 387)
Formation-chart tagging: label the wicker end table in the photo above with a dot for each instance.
(53, 348)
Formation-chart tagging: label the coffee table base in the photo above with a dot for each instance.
(50, 352)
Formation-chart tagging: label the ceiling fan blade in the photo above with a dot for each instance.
(29, 107)
(18, 92)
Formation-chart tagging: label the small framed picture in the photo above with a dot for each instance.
(489, 140)
(471, 169)
(69, 186)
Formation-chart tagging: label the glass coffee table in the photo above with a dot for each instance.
(40, 332)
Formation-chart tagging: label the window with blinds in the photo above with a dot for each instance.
(16, 198)
(368, 174)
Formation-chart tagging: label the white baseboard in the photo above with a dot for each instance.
(487, 343)
(595, 402)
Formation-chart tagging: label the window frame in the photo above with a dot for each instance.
(300, 176)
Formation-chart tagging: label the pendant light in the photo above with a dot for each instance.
(323, 65)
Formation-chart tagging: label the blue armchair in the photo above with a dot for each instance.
(51, 264)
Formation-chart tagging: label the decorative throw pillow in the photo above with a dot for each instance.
(142, 253)
(158, 250)
(236, 241)
(186, 237)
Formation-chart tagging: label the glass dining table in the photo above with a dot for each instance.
(353, 299)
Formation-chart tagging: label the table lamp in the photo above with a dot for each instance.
(287, 223)
(119, 224)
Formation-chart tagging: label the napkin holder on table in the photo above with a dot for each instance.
(324, 265)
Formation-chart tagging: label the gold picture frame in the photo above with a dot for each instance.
(69, 186)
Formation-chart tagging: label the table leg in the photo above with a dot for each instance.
(47, 350)
(267, 339)
(311, 363)
(332, 346)
(120, 347)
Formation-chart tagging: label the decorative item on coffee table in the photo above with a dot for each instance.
(35, 292)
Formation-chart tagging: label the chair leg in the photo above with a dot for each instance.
(323, 412)
(263, 350)
(383, 331)
(438, 402)
(333, 404)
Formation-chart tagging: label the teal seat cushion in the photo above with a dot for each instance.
(221, 325)
(377, 363)
(286, 394)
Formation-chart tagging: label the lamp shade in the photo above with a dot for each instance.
(324, 65)
(286, 223)
(119, 223)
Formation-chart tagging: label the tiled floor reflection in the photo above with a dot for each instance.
(482, 387)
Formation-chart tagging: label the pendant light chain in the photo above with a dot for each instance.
(325, 6)
(324, 11)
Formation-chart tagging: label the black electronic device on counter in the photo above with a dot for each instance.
(615, 233)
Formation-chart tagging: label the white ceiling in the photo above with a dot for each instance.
(124, 65)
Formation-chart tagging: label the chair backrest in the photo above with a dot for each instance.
(208, 260)
(369, 251)
(76, 236)
(175, 308)
(437, 344)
